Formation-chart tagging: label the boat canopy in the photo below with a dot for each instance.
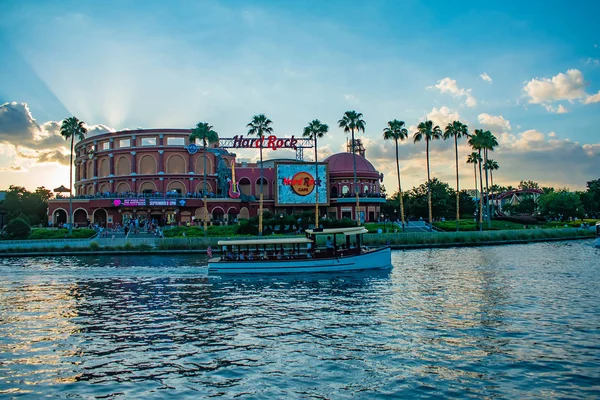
(251, 242)
(354, 230)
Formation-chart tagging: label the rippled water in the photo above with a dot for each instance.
(507, 321)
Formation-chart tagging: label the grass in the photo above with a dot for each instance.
(44, 233)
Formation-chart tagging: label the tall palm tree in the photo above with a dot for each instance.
(316, 130)
(204, 132)
(395, 130)
(456, 130)
(428, 132)
(477, 142)
(259, 127)
(350, 122)
(489, 143)
(72, 128)
(492, 166)
(474, 158)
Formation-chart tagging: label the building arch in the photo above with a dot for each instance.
(59, 216)
(90, 169)
(176, 186)
(245, 186)
(244, 213)
(147, 187)
(104, 188)
(200, 213)
(123, 187)
(80, 216)
(123, 166)
(334, 191)
(200, 165)
(218, 214)
(90, 190)
(147, 165)
(266, 189)
(232, 215)
(200, 187)
(104, 169)
(176, 164)
(100, 216)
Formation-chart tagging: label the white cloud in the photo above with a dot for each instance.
(569, 86)
(442, 116)
(494, 121)
(592, 61)
(592, 98)
(486, 77)
(557, 110)
(448, 85)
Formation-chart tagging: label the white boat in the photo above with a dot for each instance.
(342, 251)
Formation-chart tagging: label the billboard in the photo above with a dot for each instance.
(296, 184)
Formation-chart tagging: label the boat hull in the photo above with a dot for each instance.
(373, 259)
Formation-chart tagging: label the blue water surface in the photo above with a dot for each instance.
(519, 321)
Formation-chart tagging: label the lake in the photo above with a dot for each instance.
(501, 321)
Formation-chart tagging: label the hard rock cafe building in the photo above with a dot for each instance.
(156, 174)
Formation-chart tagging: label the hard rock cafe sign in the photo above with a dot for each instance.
(269, 142)
(301, 183)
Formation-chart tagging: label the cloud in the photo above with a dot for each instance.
(442, 116)
(486, 77)
(592, 98)
(569, 86)
(13, 168)
(494, 121)
(592, 61)
(32, 141)
(448, 85)
(557, 110)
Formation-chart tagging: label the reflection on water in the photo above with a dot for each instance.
(508, 321)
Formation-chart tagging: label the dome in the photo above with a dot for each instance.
(341, 165)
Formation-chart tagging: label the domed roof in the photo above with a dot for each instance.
(341, 164)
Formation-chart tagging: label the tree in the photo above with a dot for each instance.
(259, 127)
(428, 132)
(203, 131)
(528, 185)
(74, 129)
(350, 122)
(560, 204)
(316, 130)
(456, 130)
(492, 166)
(477, 141)
(592, 206)
(18, 228)
(443, 199)
(489, 144)
(395, 130)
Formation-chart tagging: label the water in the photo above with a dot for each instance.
(507, 321)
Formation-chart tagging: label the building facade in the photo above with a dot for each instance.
(155, 174)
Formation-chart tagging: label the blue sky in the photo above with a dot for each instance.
(529, 71)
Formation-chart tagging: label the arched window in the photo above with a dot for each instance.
(123, 166)
(147, 165)
(176, 164)
(345, 189)
(104, 168)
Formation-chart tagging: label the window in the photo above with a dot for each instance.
(345, 189)
(124, 142)
(366, 189)
(105, 146)
(175, 141)
(148, 141)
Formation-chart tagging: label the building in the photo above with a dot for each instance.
(157, 174)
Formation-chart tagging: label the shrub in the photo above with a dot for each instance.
(94, 246)
(18, 228)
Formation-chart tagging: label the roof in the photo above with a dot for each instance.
(343, 164)
(354, 230)
(250, 242)
(61, 189)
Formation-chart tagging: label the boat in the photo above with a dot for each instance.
(597, 243)
(342, 250)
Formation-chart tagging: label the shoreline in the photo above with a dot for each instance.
(8, 254)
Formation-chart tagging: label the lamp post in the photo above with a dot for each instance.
(280, 223)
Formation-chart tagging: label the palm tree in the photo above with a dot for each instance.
(316, 130)
(492, 166)
(396, 130)
(72, 128)
(427, 131)
(477, 141)
(204, 132)
(489, 143)
(259, 127)
(474, 158)
(350, 122)
(456, 130)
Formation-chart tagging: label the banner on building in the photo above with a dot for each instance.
(298, 183)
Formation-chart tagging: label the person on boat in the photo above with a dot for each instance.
(329, 243)
(280, 255)
(242, 258)
(229, 255)
(250, 256)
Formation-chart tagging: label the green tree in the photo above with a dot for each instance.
(528, 185)
(259, 127)
(396, 131)
(592, 205)
(18, 228)
(477, 143)
(203, 131)
(492, 166)
(72, 128)
(316, 130)
(350, 122)
(560, 204)
(443, 204)
(456, 130)
(428, 132)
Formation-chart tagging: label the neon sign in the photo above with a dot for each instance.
(269, 142)
(302, 183)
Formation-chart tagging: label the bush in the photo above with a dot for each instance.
(18, 228)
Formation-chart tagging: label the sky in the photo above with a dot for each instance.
(527, 71)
